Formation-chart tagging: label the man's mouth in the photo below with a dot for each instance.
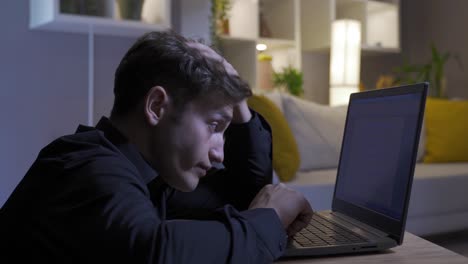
(201, 171)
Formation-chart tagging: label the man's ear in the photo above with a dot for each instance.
(156, 103)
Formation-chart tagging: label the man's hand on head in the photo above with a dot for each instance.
(241, 112)
(211, 54)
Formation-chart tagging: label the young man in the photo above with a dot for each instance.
(180, 173)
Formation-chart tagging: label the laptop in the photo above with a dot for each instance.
(374, 176)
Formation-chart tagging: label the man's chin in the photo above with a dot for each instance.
(189, 185)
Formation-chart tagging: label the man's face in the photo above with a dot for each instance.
(189, 142)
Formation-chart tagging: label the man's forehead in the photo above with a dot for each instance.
(215, 105)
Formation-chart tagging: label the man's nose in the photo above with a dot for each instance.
(216, 153)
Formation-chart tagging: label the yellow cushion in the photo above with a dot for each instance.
(286, 158)
(447, 129)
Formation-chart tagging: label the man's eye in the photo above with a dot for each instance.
(213, 127)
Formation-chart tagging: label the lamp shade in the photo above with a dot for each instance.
(345, 60)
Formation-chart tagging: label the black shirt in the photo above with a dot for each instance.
(91, 197)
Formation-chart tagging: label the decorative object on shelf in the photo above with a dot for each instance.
(362, 87)
(84, 7)
(265, 31)
(222, 8)
(345, 60)
(385, 81)
(130, 9)
(291, 79)
(219, 20)
(265, 72)
(432, 72)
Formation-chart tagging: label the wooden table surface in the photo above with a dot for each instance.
(414, 250)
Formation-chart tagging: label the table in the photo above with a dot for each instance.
(414, 250)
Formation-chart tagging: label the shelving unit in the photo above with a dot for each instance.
(50, 15)
(47, 15)
(379, 23)
(297, 26)
(247, 30)
(300, 35)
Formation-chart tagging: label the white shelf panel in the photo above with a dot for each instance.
(270, 42)
(277, 43)
(227, 38)
(380, 23)
(101, 26)
(374, 50)
(45, 15)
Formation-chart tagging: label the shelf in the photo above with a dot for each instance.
(277, 43)
(243, 21)
(382, 25)
(46, 15)
(270, 22)
(379, 19)
(276, 19)
(375, 50)
(228, 38)
(270, 42)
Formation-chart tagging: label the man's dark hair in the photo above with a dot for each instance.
(165, 59)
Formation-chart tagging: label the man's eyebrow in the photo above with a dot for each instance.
(227, 116)
(224, 115)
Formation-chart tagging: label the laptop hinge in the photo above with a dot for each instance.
(360, 224)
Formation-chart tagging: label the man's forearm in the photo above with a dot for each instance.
(248, 161)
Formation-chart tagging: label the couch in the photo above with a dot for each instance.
(438, 201)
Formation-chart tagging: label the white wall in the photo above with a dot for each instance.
(444, 23)
(44, 87)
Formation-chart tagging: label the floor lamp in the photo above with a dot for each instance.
(345, 60)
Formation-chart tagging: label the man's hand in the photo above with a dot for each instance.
(211, 54)
(292, 208)
(241, 113)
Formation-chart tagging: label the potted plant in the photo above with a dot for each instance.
(222, 8)
(432, 71)
(219, 20)
(84, 7)
(130, 9)
(290, 78)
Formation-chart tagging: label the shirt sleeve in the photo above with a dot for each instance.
(248, 160)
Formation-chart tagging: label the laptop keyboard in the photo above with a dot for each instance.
(322, 232)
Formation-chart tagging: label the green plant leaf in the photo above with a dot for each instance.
(291, 78)
(433, 71)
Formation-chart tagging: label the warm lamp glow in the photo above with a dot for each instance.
(345, 60)
(261, 47)
(340, 95)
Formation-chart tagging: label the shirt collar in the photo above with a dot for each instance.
(129, 150)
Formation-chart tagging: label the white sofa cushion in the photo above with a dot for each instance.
(275, 96)
(318, 130)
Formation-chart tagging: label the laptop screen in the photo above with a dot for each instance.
(377, 153)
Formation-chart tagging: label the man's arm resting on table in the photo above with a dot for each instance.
(122, 216)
